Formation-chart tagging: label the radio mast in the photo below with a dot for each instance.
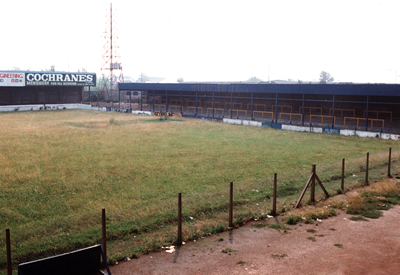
(111, 69)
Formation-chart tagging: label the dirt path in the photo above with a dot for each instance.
(367, 247)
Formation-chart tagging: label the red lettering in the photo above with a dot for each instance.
(2, 75)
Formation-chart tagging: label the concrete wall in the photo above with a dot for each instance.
(38, 107)
(313, 129)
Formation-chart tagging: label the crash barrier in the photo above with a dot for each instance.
(361, 118)
(283, 107)
(160, 107)
(217, 104)
(343, 111)
(322, 119)
(215, 111)
(377, 113)
(290, 115)
(176, 101)
(177, 108)
(262, 114)
(232, 111)
(257, 107)
(310, 110)
(194, 109)
(237, 106)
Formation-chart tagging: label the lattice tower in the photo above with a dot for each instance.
(111, 69)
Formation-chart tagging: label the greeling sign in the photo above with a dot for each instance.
(12, 79)
(60, 79)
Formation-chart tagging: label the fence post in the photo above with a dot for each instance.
(179, 242)
(274, 198)
(342, 184)
(390, 160)
(8, 248)
(104, 236)
(231, 206)
(366, 170)
(312, 198)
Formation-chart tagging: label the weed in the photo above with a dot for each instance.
(311, 239)
(358, 218)
(221, 239)
(372, 214)
(241, 262)
(338, 245)
(278, 256)
(278, 226)
(293, 220)
(260, 224)
(228, 251)
(311, 230)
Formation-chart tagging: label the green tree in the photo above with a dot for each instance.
(325, 77)
(254, 79)
(143, 78)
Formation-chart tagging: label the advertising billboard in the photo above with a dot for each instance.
(60, 79)
(12, 79)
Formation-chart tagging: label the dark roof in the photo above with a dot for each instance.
(327, 89)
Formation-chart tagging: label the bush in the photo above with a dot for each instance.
(293, 220)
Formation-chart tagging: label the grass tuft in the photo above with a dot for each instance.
(278, 256)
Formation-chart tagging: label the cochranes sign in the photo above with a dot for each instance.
(60, 79)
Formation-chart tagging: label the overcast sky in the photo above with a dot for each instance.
(216, 40)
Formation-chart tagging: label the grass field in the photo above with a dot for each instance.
(58, 169)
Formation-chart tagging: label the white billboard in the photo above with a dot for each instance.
(60, 79)
(12, 79)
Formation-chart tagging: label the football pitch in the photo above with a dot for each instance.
(58, 169)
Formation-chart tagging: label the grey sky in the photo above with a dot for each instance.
(209, 40)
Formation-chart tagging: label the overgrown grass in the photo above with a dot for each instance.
(367, 202)
(372, 199)
(58, 169)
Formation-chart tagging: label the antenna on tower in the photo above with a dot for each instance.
(111, 69)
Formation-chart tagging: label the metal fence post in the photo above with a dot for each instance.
(104, 236)
(8, 248)
(342, 184)
(231, 206)
(274, 198)
(366, 170)
(390, 160)
(179, 242)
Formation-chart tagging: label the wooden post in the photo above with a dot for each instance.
(342, 184)
(312, 197)
(104, 232)
(366, 170)
(390, 160)
(8, 248)
(231, 206)
(311, 181)
(274, 198)
(179, 242)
